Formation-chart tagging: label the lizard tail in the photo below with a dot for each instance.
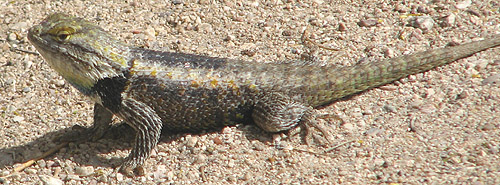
(341, 82)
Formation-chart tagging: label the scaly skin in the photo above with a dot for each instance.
(154, 90)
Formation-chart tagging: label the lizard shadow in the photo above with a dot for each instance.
(88, 153)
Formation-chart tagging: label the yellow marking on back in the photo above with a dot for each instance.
(214, 83)
(195, 83)
(154, 72)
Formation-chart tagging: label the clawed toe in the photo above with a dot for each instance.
(310, 124)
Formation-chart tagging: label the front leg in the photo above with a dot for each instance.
(148, 126)
(102, 122)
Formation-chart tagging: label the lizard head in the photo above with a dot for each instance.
(78, 50)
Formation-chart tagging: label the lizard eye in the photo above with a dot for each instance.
(63, 35)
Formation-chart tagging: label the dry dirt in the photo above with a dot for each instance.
(439, 127)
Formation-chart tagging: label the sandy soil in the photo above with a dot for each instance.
(440, 127)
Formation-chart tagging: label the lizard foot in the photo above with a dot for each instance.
(81, 134)
(131, 170)
(310, 123)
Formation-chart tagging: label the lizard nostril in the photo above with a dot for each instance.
(35, 30)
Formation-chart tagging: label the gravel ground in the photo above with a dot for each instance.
(439, 127)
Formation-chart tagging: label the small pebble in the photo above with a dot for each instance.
(217, 141)
(30, 171)
(27, 64)
(12, 37)
(191, 141)
(494, 79)
(259, 146)
(84, 171)
(374, 131)
(389, 53)
(368, 112)
(462, 5)
(423, 9)
(342, 27)
(229, 37)
(379, 162)
(17, 119)
(401, 8)
(448, 21)
(416, 104)
(103, 178)
(49, 180)
(390, 108)
(412, 78)
(119, 176)
(429, 93)
(60, 83)
(487, 126)
(170, 175)
(424, 23)
(388, 87)
(348, 126)
(200, 158)
(204, 27)
(177, 2)
(72, 177)
(20, 26)
(26, 89)
(161, 172)
(367, 23)
(10, 81)
(287, 33)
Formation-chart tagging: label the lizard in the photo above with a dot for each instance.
(154, 90)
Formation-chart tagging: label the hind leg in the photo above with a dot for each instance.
(275, 112)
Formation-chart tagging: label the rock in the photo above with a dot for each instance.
(119, 177)
(17, 119)
(30, 171)
(191, 141)
(161, 172)
(49, 180)
(390, 108)
(21, 26)
(84, 171)
(367, 23)
(494, 79)
(425, 23)
(229, 37)
(448, 21)
(342, 27)
(12, 37)
(204, 27)
(374, 131)
(258, 146)
(388, 52)
(200, 158)
(26, 89)
(463, 4)
(348, 126)
(27, 64)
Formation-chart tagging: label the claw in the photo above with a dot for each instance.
(309, 122)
